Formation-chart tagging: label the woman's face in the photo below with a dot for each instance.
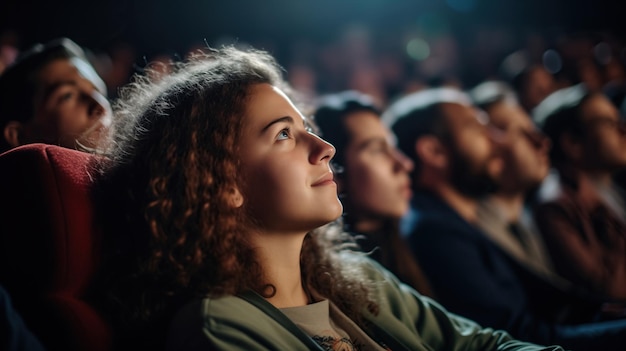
(288, 184)
(605, 135)
(377, 182)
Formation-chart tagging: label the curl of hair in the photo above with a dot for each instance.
(324, 271)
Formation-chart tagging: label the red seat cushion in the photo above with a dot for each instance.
(49, 249)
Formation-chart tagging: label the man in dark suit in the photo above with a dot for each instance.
(456, 164)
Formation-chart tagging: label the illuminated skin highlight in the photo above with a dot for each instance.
(288, 189)
(69, 107)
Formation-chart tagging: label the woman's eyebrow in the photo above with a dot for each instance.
(287, 119)
(374, 140)
(55, 86)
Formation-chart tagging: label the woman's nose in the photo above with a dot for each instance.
(321, 150)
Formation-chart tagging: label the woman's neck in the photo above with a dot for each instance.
(279, 255)
(366, 225)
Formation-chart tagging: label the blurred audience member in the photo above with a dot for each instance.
(374, 181)
(8, 48)
(533, 85)
(51, 94)
(531, 81)
(615, 83)
(160, 66)
(505, 217)
(122, 65)
(456, 163)
(584, 221)
(524, 149)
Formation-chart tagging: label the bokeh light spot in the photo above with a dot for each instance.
(462, 5)
(418, 49)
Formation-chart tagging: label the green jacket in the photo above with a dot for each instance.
(406, 321)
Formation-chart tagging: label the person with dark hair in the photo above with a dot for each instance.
(530, 80)
(223, 195)
(506, 217)
(52, 94)
(524, 149)
(583, 220)
(373, 181)
(457, 163)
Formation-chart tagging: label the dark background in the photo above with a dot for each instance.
(313, 32)
(158, 26)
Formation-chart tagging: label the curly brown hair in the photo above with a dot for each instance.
(171, 165)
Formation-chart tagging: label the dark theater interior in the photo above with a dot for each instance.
(313, 175)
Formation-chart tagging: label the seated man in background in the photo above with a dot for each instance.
(583, 221)
(529, 79)
(52, 94)
(524, 150)
(505, 217)
(456, 164)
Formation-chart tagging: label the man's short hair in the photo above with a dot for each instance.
(489, 93)
(560, 113)
(331, 112)
(419, 114)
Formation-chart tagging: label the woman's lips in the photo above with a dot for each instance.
(327, 179)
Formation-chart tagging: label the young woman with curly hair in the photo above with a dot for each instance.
(222, 195)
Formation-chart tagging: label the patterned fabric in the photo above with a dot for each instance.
(330, 328)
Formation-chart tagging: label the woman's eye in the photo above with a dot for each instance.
(66, 96)
(378, 148)
(283, 134)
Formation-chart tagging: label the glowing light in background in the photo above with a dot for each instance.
(433, 24)
(418, 49)
(462, 5)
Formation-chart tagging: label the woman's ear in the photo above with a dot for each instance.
(12, 133)
(431, 152)
(235, 199)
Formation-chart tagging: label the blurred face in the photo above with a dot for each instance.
(605, 135)
(289, 185)
(524, 148)
(474, 164)
(68, 106)
(377, 182)
(538, 85)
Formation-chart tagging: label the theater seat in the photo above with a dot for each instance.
(49, 246)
